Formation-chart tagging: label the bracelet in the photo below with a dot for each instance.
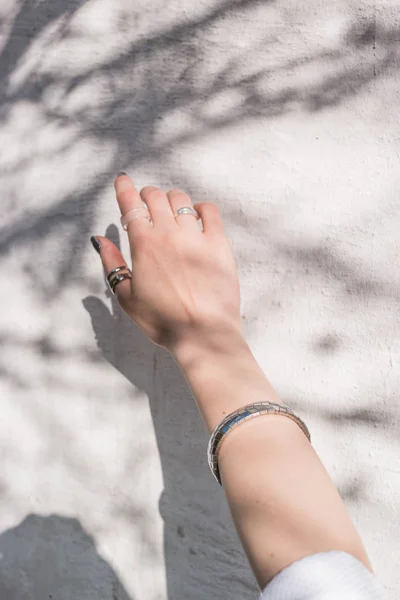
(250, 411)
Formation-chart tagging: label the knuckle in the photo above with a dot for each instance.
(141, 240)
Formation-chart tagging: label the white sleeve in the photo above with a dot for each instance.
(324, 576)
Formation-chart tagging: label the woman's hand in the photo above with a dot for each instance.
(184, 280)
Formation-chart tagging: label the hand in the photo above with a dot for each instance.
(184, 280)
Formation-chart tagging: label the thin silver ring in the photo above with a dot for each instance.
(111, 273)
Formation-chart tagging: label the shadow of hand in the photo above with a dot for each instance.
(122, 343)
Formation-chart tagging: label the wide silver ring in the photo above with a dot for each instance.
(122, 268)
(187, 210)
(117, 279)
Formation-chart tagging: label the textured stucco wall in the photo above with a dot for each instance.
(286, 115)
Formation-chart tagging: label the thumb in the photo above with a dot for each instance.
(112, 258)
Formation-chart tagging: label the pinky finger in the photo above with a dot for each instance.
(210, 217)
(111, 259)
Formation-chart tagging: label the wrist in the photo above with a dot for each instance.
(222, 373)
(204, 343)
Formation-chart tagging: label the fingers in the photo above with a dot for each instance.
(162, 208)
(112, 258)
(159, 207)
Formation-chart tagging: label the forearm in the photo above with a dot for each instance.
(283, 503)
(223, 375)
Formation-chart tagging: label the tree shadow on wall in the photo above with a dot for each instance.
(151, 78)
(53, 558)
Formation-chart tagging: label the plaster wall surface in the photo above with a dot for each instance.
(285, 114)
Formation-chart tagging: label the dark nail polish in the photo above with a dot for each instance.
(96, 243)
(121, 173)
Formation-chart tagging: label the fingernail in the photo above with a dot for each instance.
(96, 243)
(121, 173)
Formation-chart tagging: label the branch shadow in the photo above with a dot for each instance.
(150, 80)
(147, 82)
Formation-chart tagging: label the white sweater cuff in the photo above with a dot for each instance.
(324, 576)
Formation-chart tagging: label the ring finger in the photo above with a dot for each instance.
(178, 199)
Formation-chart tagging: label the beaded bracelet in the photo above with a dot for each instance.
(250, 411)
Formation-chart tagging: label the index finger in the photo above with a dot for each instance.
(128, 198)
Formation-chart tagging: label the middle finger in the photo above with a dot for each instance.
(159, 206)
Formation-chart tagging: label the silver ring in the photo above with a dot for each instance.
(111, 273)
(116, 280)
(187, 210)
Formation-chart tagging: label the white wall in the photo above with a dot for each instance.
(286, 115)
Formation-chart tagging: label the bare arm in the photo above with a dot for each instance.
(283, 503)
(184, 294)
